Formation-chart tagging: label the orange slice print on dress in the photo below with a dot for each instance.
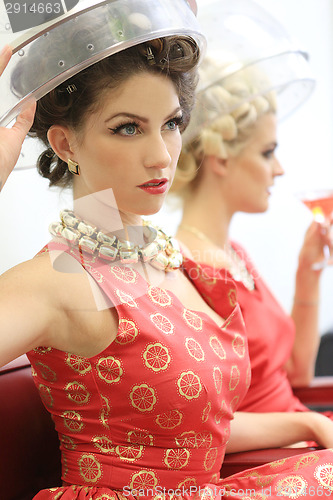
(67, 442)
(189, 385)
(306, 461)
(90, 468)
(204, 439)
(109, 369)
(46, 372)
(127, 332)
(124, 274)
(193, 320)
(103, 444)
(232, 295)
(206, 411)
(291, 487)
(64, 467)
(187, 483)
(159, 296)
(73, 421)
(78, 364)
(223, 413)
(265, 480)
(225, 434)
(92, 270)
(194, 349)
(143, 480)
(277, 463)
(140, 437)
(126, 298)
(234, 378)
(170, 419)
(42, 350)
(143, 397)
(162, 323)
(214, 478)
(234, 403)
(324, 476)
(105, 411)
(129, 453)
(156, 357)
(46, 396)
(217, 347)
(77, 392)
(217, 376)
(238, 345)
(187, 440)
(57, 495)
(210, 459)
(176, 458)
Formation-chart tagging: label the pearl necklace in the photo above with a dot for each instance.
(235, 264)
(160, 250)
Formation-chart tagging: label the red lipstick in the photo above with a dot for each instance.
(155, 186)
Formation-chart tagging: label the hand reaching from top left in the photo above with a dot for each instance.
(11, 139)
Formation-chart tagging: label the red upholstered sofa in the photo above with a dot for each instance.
(29, 446)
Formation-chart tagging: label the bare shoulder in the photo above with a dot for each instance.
(35, 276)
(50, 300)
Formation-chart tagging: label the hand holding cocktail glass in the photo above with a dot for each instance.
(318, 244)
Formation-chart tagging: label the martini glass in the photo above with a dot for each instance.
(320, 202)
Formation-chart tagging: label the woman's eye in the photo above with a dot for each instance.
(269, 153)
(128, 129)
(174, 123)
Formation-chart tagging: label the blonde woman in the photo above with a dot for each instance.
(228, 164)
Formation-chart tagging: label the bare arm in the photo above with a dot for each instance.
(56, 306)
(305, 311)
(254, 431)
(28, 310)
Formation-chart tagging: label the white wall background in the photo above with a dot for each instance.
(274, 238)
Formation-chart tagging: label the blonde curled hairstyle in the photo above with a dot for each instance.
(222, 121)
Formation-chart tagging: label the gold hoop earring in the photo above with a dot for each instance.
(73, 167)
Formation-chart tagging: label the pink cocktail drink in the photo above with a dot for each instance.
(322, 204)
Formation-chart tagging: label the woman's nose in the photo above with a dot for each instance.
(158, 154)
(277, 168)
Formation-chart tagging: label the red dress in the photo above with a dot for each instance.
(150, 415)
(270, 335)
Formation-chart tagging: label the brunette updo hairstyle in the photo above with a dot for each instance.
(175, 56)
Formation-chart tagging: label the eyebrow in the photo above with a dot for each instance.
(272, 144)
(138, 117)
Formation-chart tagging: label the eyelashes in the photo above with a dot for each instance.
(123, 126)
(269, 153)
(131, 128)
(178, 120)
